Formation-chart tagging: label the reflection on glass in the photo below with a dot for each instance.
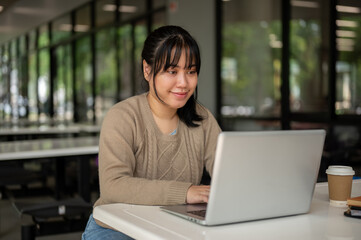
(32, 90)
(44, 85)
(61, 28)
(140, 32)
(106, 85)
(83, 81)
(251, 58)
(348, 65)
(308, 57)
(125, 64)
(63, 88)
(105, 12)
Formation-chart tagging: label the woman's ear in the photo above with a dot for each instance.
(146, 70)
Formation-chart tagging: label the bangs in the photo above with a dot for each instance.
(170, 51)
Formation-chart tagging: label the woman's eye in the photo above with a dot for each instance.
(172, 72)
(192, 72)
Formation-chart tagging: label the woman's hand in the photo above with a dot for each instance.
(198, 194)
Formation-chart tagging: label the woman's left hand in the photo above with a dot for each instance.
(198, 194)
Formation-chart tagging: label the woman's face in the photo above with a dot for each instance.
(174, 85)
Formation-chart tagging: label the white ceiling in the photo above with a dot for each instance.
(25, 15)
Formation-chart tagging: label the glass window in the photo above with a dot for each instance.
(14, 90)
(105, 12)
(43, 85)
(2, 86)
(244, 124)
(251, 58)
(125, 64)
(159, 3)
(61, 28)
(14, 82)
(83, 81)
(13, 49)
(32, 40)
(43, 40)
(20, 99)
(131, 8)
(82, 20)
(63, 85)
(22, 45)
(32, 89)
(348, 65)
(159, 19)
(23, 85)
(5, 96)
(307, 125)
(309, 56)
(106, 85)
(140, 34)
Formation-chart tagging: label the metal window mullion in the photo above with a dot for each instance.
(37, 71)
(219, 27)
(117, 53)
(9, 78)
(149, 5)
(26, 74)
(285, 86)
(73, 61)
(52, 72)
(133, 84)
(332, 62)
(94, 56)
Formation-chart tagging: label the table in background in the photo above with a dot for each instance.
(57, 149)
(23, 133)
(322, 222)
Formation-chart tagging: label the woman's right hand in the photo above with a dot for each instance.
(198, 194)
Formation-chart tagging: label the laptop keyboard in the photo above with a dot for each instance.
(201, 213)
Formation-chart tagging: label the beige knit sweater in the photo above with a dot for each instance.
(138, 164)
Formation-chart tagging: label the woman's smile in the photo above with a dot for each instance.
(180, 95)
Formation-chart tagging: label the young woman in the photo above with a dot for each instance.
(154, 146)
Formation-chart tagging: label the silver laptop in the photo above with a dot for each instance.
(259, 175)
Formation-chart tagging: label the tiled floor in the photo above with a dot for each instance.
(10, 225)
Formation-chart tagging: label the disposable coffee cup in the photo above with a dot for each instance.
(339, 184)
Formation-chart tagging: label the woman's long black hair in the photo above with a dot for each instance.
(162, 49)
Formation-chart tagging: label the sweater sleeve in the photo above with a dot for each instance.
(117, 164)
(212, 130)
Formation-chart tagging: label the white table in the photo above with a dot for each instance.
(58, 149)
(87, 128)
(322, 222)
(61, 129)
(17, 133)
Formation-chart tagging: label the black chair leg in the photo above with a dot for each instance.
(28, 232)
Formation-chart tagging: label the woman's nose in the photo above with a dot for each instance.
(182, 80)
